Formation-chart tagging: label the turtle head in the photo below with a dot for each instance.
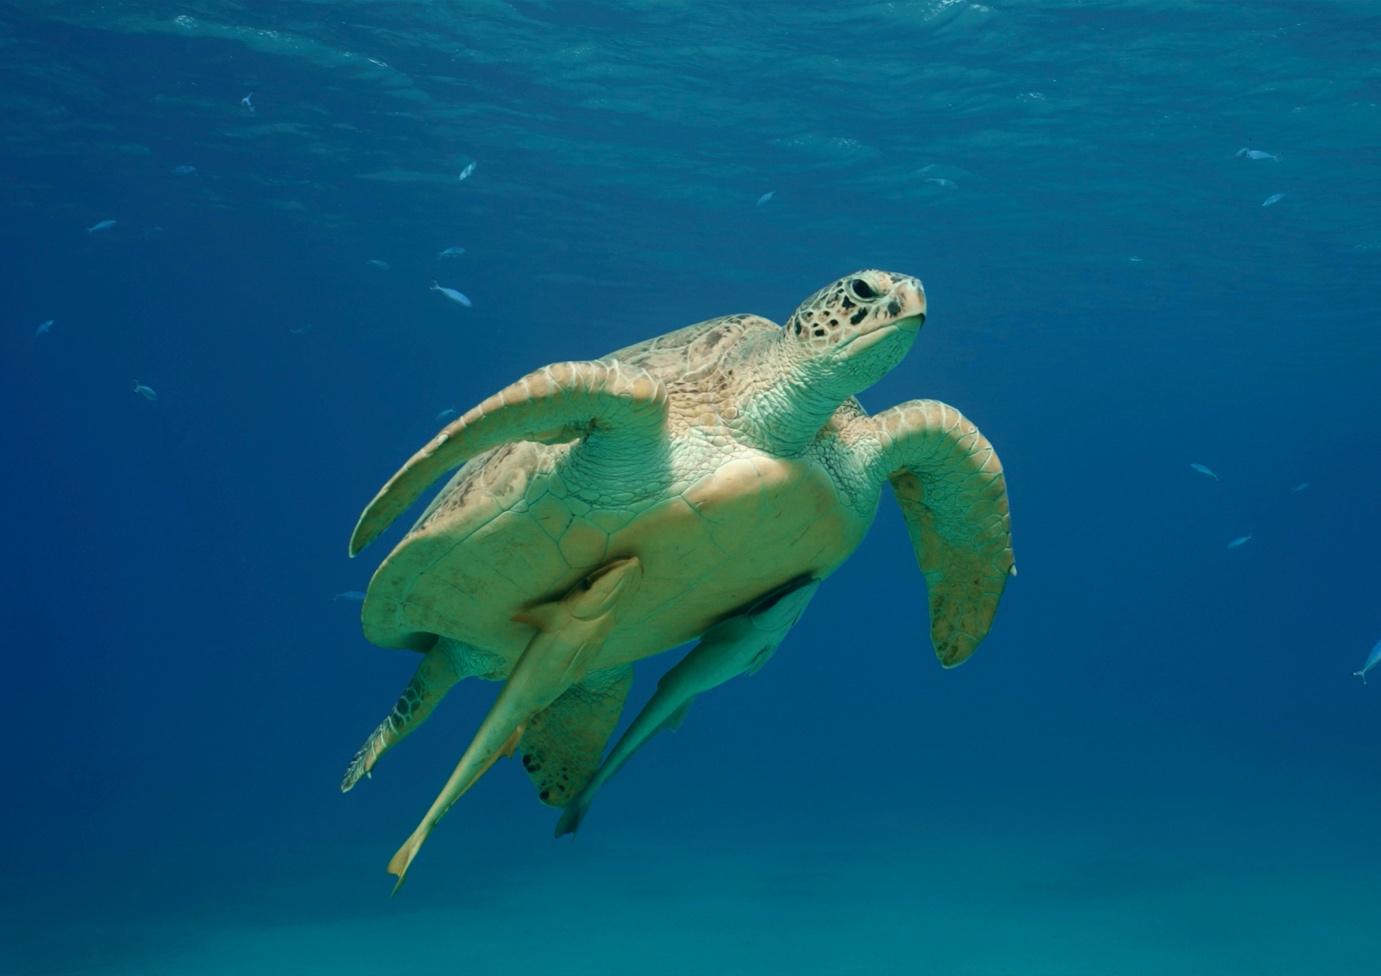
(854, 330)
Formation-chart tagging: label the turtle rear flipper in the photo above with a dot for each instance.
(442, 666)
(562, 744)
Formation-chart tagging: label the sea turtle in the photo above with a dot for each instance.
(611, 509)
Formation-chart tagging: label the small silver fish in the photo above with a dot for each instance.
(247, 103)
(1256, 154)
(453, 295)
(446, 414)
(1204, 470)
(1373, 659)
(376, 263)
(355, 596)
(765, 197)
(186, 169)
(43, 328)
(147, 392)
(1273, 199)
(1302, 486)
(1241, 540)
(451, 252)
(1134, 259)
(941, 181)
(99, 226)
(466, 172)
(300, 329)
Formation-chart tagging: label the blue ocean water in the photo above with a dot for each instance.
(1157, 763)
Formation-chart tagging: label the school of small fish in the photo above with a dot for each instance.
(1241, 540)
(460, 298)
(1374, 658)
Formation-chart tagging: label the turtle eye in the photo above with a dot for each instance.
(862, 289)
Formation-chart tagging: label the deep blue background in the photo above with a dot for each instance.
(1157, 762)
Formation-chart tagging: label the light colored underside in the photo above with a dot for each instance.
(508, 530)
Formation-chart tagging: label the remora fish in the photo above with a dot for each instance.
(569, 634)
(453, 295)
(1203, 469)
(738, 645)
(1373, 659)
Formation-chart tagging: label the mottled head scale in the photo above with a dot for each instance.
(861, 325)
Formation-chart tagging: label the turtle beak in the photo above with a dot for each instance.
(910, 295)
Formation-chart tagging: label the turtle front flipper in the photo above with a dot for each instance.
(570, 633)
(953, 497)
(442, 666)
(600, 400)
(561, 744)
(739, 644)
